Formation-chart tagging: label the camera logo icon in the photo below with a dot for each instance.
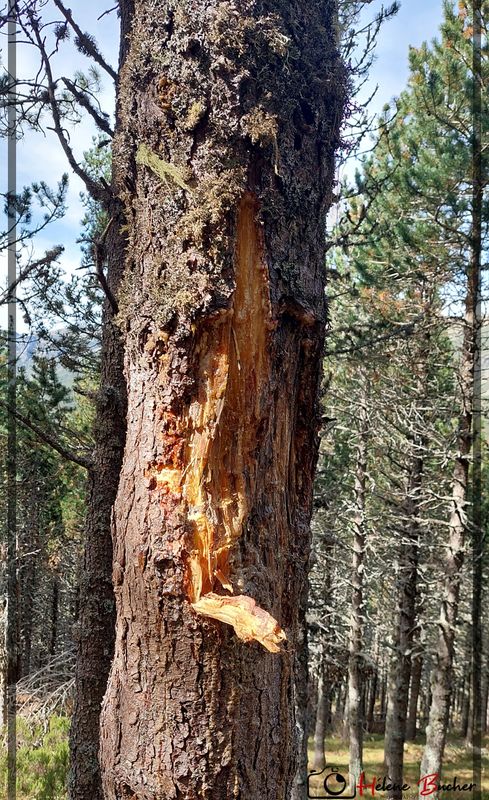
(328, 783)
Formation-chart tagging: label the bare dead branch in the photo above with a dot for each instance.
(83, 100)
(96, 190)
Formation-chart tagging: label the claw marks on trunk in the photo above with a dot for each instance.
(212, 469)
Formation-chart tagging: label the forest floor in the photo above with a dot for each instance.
(457, 765)
(42, 763)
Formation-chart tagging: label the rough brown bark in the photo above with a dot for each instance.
(224, 160)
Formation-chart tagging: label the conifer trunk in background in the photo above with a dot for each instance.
(355, 661)
(485, 694)
(224, 158)
(469, 735)
(465, 702)
(299, 786)
(441, 683)
(400, 665)
(383, 693)
(415, 685)
(374, 688)
(341, 710)
(54, 615)
(319, 761)
(28, 573)
(96, 622)
(369, 720)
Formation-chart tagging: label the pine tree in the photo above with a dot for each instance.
(413, 230)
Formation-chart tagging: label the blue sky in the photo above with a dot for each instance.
(41, 158)
(417, 21)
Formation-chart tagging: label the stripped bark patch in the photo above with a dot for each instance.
(216, 477)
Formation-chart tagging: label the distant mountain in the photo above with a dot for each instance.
(29, 345)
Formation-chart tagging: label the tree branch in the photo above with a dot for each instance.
(99, 252)
(83, 100)
(51, 255)
(86, 41)
(63, 451)
(86, 393)
(96, 190)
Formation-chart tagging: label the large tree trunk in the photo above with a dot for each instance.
(224, 157)
(400, 673)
